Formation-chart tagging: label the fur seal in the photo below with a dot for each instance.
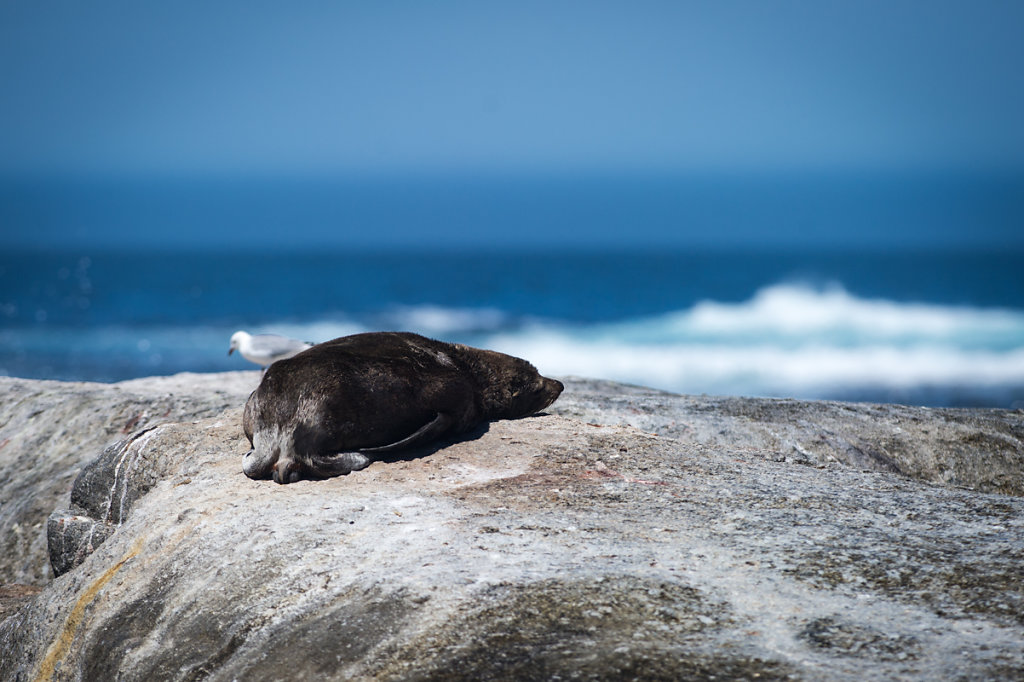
(328, 410)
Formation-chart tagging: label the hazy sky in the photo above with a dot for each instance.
(305, 86)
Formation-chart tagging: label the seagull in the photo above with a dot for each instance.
(265, 349)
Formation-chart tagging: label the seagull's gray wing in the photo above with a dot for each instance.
(273, 344)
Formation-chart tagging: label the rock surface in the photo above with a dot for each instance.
(50, 429)
(978, 448)
(738, 543)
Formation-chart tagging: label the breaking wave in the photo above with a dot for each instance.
(788, 339)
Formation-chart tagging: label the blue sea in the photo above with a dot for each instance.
(940, 327)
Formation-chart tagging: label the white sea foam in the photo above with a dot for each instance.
(799, 310)
(789, 340)
(786, 340)
(813, 371)
(432, 319)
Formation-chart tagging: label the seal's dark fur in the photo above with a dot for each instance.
(321, 412)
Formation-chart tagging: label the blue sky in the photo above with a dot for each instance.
(293, 92)
(382, 86)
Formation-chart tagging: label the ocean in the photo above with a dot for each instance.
(938, 327)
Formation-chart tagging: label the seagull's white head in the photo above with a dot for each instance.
(237, 339)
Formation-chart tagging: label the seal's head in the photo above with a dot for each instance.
(534, 396)
(513, 387)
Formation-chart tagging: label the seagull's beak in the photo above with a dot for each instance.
(231, 350)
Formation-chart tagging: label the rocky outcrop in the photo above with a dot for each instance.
(50, 429)
(734, 544)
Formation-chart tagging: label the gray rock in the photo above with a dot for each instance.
(71, 537)
(539, 548)
(13, 596)
(50, 429)
(981, 449)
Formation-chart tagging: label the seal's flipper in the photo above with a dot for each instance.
(257, 465)
(341, 463)
(442, 422)
(338, 464)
